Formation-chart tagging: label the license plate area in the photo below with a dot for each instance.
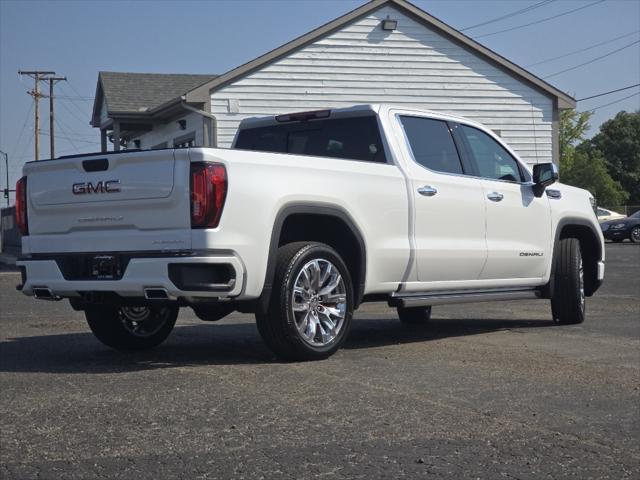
(104, 267)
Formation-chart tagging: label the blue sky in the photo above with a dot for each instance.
(79, 38)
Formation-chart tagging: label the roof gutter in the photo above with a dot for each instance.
(214, 121)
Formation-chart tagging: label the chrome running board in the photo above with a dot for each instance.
(461, 296)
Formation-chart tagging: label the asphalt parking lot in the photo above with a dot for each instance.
(485, 391)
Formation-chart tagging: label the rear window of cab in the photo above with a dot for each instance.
(353, 138)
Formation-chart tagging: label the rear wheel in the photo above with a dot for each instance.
(635, 234)
(414, 315)
(311, 305)
(568, 303)
(132, 328)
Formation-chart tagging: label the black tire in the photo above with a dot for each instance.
(279, 327)
(568, 301)
(114, 326)
(414, 315)
(635, 234)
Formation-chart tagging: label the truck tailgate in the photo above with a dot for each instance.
(126, 201)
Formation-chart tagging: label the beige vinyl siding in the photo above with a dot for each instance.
(413, 65)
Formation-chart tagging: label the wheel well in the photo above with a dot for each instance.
(335, 232)
(591, 254)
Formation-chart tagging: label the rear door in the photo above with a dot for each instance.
(449, 207)
(115, 202)
(518, 223)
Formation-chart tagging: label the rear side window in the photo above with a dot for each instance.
(355, 138)
(432, 144)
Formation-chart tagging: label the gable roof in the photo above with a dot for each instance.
(135, 93)
(564, 100)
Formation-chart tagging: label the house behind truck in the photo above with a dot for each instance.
(386, 51)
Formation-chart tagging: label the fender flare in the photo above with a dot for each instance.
(547, 290)
(311, 209)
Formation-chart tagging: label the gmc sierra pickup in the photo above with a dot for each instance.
(306, 217)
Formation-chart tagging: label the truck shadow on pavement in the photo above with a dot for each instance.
(218, 344)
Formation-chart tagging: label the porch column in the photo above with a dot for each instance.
(103, 139)
(116, 136)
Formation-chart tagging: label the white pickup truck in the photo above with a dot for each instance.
(306, 217)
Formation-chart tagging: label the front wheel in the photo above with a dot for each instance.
(311, 305)
(635, 234)
(568, 301)
(132, 328)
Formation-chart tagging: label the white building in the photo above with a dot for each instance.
(386, 51)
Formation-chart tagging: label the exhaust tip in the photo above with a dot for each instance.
(44, 293)
(156, 294)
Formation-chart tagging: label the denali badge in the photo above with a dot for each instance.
(109, 186)
(531, 254)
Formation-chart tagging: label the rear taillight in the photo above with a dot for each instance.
(21, 206)
(208, 192)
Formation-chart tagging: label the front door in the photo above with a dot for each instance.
(518, 224)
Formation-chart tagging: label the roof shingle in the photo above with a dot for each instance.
(140, 92)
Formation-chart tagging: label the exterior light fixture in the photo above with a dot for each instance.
(389, 24)
(183, 124)
(136, 143)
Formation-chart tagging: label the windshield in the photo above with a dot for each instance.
(635, 215)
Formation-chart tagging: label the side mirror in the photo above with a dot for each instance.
(544, 174)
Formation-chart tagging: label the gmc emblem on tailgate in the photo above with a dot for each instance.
(109, 186)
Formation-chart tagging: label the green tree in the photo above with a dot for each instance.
(584, 166)
(619, 142)
(589, 171)
(573, 126)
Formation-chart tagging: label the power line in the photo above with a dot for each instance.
(74, 98)
(75, 104)
(609, 92)
(509, 15)
(74, 114)
(593, 60)
(582, 49)
(24, 125)
(541, 20)
(66, 137)
(612, 103)
(76, 92)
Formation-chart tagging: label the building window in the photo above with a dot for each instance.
(185, 141)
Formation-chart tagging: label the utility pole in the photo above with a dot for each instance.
(6, 165)
(52, 138)
(37, 75)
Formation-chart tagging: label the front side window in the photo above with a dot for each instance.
(432, 144)
(491, 159)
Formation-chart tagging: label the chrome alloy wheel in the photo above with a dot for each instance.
(142, 321)
(581, 274)
(319, 302)
(635, 234)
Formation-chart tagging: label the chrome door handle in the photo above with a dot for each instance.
(495, 196)
(427, 191)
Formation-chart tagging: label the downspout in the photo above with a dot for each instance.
(214, 122)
